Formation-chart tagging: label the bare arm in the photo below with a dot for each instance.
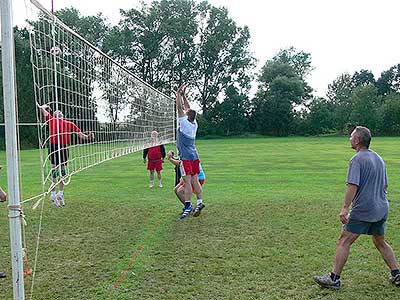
(84, 136)
(185, 102)
(171, 159)
(181, 113)
(174, 161)
(348, 198)
(43, 109)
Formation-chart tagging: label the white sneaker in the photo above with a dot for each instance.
(151, 184)
(54, 199)
(160, 184)
(60, 199)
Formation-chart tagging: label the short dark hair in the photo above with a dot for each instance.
(364, 134)
(191, 115)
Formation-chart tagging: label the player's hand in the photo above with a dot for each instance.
(181, 89)
(144, 160)
(3, 196)
(343, 215)
(170, 154)
(44, 107)
(91, 135)
(184, 86)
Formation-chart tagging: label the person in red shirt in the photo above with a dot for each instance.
(155, 156)
(60, 138)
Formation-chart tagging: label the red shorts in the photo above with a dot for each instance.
(201, 181)
(190, 167)
(155, 165)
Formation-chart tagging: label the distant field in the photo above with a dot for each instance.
(270, 225)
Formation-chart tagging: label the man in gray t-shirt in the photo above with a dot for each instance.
(367, 171)
(366, 193)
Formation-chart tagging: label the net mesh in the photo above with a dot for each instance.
(94, 92)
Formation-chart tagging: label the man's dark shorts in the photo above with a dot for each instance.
(58, 154)
(362, 227)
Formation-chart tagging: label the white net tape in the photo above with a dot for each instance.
(94, 92)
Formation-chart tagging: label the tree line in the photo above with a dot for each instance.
(169, 42)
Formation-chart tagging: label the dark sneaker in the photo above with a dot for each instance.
(197, 210)
(187, 212)
(327, 282)
(2, 275)
(395, 280)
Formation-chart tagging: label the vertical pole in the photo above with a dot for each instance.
(8, 64)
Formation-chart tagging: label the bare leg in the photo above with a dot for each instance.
(345, 240)
(54, 178)
(386, 251)
(152, 175)
(159, 178)
(61, 184)
(197, 187)
(180, 193)
(188, 187)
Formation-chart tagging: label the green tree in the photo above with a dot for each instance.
(366, 107)
(363, 78)
(169, 42)
(391, 113)
(223, 55)
(158, 42)
(94, 29)
(389, 81)
(231, 116)
(25, 92)
(300, 61)
(280, 90)
(321, 118)
(339, 93)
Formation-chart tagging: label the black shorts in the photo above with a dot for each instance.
(58, 154)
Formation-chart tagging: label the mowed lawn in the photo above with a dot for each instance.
(270, 224)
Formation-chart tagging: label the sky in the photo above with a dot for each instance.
(341, 35)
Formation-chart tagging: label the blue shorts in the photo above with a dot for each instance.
(362, 227)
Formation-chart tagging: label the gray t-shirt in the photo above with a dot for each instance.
(367, 170)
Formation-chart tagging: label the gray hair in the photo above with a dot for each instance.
(364, 134)
(58, 114)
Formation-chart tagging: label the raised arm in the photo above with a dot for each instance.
(181, 113)
(43, 109)
(172, 160)
(185, 102)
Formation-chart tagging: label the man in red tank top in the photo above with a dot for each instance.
(155, 155)
(60, 131)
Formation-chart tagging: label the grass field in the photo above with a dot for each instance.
(270, 225)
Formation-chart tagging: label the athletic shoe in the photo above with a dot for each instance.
(395, 280)
(327, 282)
(197, 210)
(2, 275)
(160, 185)
(187, 212)
(55, 200)
(151, 184)
(183, 209)
(60, 199)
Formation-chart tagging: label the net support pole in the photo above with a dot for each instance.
(9, 94)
